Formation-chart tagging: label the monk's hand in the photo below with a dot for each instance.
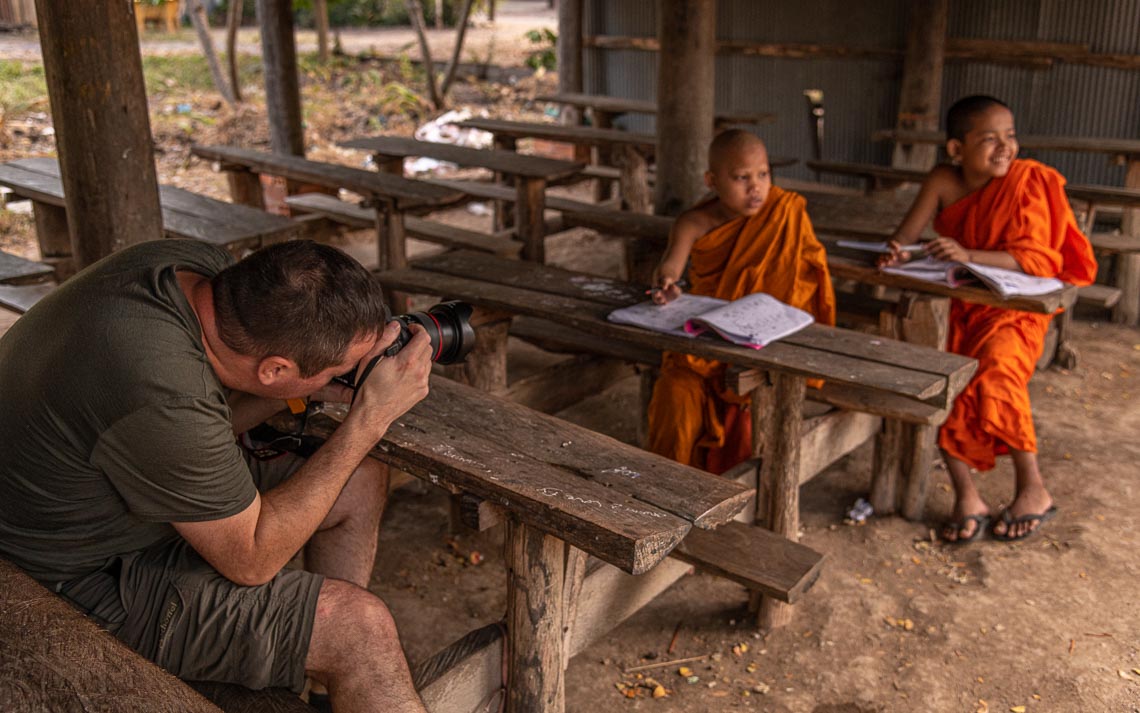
(943, 248)
(666, 291)
(896, 255)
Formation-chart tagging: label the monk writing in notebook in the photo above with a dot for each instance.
(991, 208)
(750, 237)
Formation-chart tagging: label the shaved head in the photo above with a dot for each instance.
(731, 144)
(960, 117)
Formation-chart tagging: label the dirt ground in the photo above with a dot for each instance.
(897, 622)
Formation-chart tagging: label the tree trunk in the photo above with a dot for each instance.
(321, 12)
(685, 97)
(416, 13)
(202, 27)
(98, 104)
(233, 24)
(460, 34)
(439, 14)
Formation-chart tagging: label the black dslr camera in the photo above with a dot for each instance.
(448, 325)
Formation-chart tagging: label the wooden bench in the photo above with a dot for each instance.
(185, 214)
(15, 270)
(530, 176)
(605, 109)
(430, 231)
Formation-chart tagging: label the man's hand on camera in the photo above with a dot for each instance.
(397, 382)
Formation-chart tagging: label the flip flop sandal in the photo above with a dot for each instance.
(1010, 521)
(982, 523)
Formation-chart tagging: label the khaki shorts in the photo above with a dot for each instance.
(168, 604)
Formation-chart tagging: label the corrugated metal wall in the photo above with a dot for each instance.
(861, 95)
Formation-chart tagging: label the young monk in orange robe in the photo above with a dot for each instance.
(996, 210)
(751, 237)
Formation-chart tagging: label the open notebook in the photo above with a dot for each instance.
(1007, 283)
(753, 320)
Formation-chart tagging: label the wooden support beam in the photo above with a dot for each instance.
(529, 217)
(99, 110)
(282, 91)
(567, 382)
(922, 80)
(685, 99)
(535, 660)
(1127, 310)
(570, 54)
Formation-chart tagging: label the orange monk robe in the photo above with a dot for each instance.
(693, 418)
(1026, 214)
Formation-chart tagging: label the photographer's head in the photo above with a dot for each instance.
(298, 302)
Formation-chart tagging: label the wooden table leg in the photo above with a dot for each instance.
(502, 218)
(603, 187)
(54, 238)
(245, 187)
(389, 164)
(391, 247)
(1127, 311)
(485, 367)
(780, 475)
(634, 182)
(529, 208)
(535, 661)
(909, 448)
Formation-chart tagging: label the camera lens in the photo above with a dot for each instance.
(448, 325)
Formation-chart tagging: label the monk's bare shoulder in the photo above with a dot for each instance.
(697, 220)
(945, 182)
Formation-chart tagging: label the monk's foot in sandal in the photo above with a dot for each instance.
(967, 523)
(1032, 507)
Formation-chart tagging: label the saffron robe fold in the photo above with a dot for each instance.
(1026, 214)
(693, 417)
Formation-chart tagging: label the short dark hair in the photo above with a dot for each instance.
(960, 115)
(300, 300)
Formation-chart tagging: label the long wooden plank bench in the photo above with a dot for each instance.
(15, 270)
(185, 214)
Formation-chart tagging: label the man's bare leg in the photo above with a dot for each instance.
(344, 546)
(355, 652)
(967, 501)
(1031, 497)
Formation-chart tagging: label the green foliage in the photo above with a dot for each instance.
(23, 88)
(542, 55)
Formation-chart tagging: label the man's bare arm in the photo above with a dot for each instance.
(249, 548)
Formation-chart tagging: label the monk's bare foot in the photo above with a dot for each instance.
(969, 517)
(1032, 500)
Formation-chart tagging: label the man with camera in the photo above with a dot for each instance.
(124, 489)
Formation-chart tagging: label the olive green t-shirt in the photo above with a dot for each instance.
(112, 422)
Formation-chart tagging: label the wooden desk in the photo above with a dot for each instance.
(530, 174)
(565, 493)
(863, 372)
(184, 214)
(605, 109)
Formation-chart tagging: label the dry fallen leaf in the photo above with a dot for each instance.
(1017, 709)
(983, 707)
(659, 692)
(1125, 675)
(750, 668)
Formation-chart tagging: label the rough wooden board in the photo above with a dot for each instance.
(351, 214)
(624, 105)
(506, 162)
(460, 676)
(1115, 243)
(590, 317)
(28, 178)
(498, 192)
(590, 457)
(52, 658)
(755, 557)
(827, 438)
(515, 457)
(251, 221)
(1104, 195)
(1099, 295)
(561, 132)
(868, 170)
(567, 382)
(406, 193)
(16, 269)
(624, 224)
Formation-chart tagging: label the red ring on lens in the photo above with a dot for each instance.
(439, 331)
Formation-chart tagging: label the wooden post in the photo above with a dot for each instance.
(501, 217)
(485, 367)
(98, 104)
(54, 238)
(245, 187)
(535, 662)
(647, 380)
(391, 243)
(529, 220)
(780, 475)
(1127, 311)
(570, 55)
(685, 98)
(282, 93)
(634, 181)
(922, 81)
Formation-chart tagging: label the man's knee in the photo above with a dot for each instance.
(349, 620)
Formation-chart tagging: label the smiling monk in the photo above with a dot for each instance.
(995, 209)
(750, 237)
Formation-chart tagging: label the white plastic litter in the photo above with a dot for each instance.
(442, 130)
(860, 511)
(478, 209)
